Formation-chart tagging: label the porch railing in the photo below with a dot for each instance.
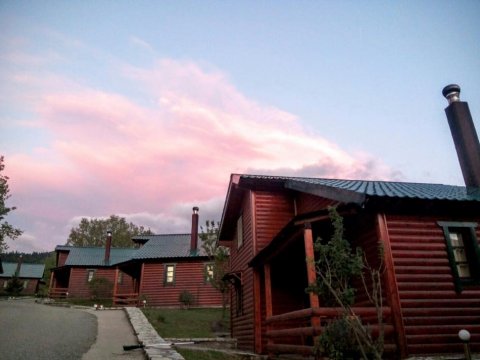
(58, 293)
(294, 332)
(130, 299)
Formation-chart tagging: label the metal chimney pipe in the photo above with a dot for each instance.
(108, 245)
(194, 233)
(464, 135)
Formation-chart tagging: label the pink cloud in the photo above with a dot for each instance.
(112, 155)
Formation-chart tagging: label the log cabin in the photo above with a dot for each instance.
(76, 267)
(430, 254)
(167, 265)
(158, 270)
(29, 274)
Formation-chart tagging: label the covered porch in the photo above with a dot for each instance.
(288, 317)
(127, 293)
(59, 279)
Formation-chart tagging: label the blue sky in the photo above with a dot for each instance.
(145, 108)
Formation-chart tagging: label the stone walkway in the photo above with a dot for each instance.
(155, 347)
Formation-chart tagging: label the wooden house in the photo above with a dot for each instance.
(157, 271)
(429, 235)
(29, 274)
(167, 265)
(76, 267)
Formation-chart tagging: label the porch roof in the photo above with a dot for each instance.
(27, 271)
(167, 246)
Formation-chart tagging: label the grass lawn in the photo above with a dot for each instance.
(204, 355)
(180, 323)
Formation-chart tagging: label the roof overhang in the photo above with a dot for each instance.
(329, 192)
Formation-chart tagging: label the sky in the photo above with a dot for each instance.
(144, 108)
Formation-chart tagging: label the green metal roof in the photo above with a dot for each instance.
(358, 190)
(30, 271)
(167, 246)
(95, 256)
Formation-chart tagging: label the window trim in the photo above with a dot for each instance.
(165, 275)
(474, 265)
(92, 271)
(208, 279)
(240, 239)
(120, 278)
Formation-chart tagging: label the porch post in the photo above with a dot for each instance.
(310, 260)
(391, 284)
(140, 283)
(258, 310)
(115, 285)
(268, 299)
(51, 283)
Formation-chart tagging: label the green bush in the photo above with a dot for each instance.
(186, 298)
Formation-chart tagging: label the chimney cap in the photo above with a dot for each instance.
(109, 232)
(451, 93)
(195, 209)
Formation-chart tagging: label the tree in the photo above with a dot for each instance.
(6, 229)
(93, 232)
(337, 266)
(218, 255)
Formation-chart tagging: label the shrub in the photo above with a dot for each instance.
(100, 288)
(186, 298)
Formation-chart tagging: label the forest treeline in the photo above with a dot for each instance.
(28, 258)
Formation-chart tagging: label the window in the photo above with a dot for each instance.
(169, 278)
(5, 283)
(463, 252)
(120, 277)
(208, 272)
(240, 231)
(25, 284)
(90, 275)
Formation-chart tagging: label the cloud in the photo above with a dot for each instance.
(152, 160)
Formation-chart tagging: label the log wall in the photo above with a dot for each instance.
(432, 311)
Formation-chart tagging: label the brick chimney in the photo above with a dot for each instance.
(194, 233)
(108, 245)
(19, 265)
(464, 135)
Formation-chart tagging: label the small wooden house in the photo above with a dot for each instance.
(429, 235)
(76, 268)
(29, 274)
(167, 265)
(157, 271)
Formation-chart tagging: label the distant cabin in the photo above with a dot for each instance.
(29, 274)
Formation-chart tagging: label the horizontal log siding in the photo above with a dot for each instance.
(272, 212)
(32, 285)
(78, 285)
(189, 276)
(243, 324)
(306, 203)
(433, 312)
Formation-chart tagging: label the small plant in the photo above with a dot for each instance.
(186, 298)
(337, 265)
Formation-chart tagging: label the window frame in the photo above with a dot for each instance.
(472, 248)
(120, 278)
(240, 231)
(165, 275)
(207, 278)
(90, 271)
